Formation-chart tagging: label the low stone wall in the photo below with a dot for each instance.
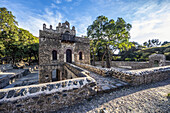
(129, 64)
(133, 65)
(148, 75)
(79, 72)
(126, 64)
(47, 97)
(5, 67)
(133, 77)
(167, 63)
(10, 77)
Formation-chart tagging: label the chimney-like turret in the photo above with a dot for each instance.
(50, 26)
(44, 26)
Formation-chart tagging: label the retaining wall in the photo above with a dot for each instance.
(133, 77)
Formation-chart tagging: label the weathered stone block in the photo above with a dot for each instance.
(34, 89)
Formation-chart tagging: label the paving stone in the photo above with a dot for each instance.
(150, 98)
(119, 84)
(105, 88)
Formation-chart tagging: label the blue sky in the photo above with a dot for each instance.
(149, 18)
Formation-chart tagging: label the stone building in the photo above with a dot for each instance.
(157, 60)
(57, 47)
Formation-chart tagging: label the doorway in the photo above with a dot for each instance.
(68, 56)
(55, 75)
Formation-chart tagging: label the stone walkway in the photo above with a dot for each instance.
(149, 98)
(107, 83)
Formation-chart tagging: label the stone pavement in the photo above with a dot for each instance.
(105, 84)
(150, 98)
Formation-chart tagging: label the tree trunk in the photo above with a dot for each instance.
(29, 59)
(103, 59)
(107, 58)
(93, 58)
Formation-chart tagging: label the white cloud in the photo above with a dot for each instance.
(54, 6)
(151, 21)
(57, 1)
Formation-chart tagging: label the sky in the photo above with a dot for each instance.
(150, 19)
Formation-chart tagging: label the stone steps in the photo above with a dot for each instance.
(107, 84)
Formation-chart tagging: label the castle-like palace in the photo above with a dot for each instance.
(57, 47)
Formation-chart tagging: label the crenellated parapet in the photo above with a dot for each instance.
(61, 28)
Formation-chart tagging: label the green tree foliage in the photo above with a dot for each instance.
(108, 36)
(142, 54)
(131, 54)
(164, 43)
(152, 43)
(15, 43)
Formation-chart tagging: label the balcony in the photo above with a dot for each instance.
(68, 38)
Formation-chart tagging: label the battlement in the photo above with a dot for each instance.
(63, 28)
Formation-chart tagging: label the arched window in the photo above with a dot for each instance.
(54, 55)
(80, 55)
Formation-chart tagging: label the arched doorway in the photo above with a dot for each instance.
(80, 56)
(69, 56)
(156, 63)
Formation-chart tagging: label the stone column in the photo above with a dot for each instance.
(64, 57)
(72, 57)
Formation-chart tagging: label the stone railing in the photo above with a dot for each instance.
(48, 96)
(133, 77)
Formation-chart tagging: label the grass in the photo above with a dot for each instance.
(168, 95)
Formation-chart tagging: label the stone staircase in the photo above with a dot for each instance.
(106, 84)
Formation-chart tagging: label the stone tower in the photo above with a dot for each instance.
(57, 47)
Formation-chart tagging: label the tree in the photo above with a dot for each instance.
(15, 42)
(152, 43)
(131, 54)
(110, 35)
(164, 43)
(8, 33)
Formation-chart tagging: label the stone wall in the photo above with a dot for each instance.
(133, 77)
(130, 64)
(5, 67)
(45, 72)
(10, 77)
(46, 97)
(126, 64)
(167, 63)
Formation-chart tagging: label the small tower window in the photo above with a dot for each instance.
(54, 55)
(80, 55)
